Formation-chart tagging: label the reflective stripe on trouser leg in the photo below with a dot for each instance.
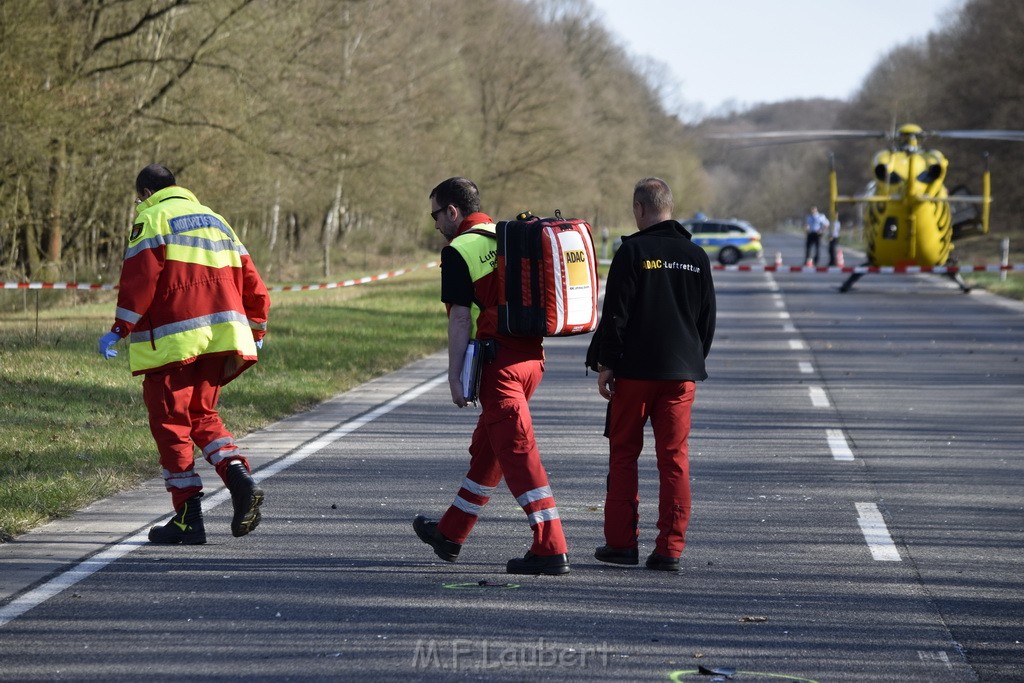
(167, 396)
(182, 480)
(503, 444)
(540, 509)
(208, 430)
(670, 418)
(224, 451)
(542, 514)
(483, 476)
(472, 496)
(509, 424)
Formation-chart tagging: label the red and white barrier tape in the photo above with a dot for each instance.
(279, 288)
(350, 283)
(754, 268)
(56, 285)
(779, 268)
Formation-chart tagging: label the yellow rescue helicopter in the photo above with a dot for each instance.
(911, 218)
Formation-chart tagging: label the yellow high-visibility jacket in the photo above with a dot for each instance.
(188, 288)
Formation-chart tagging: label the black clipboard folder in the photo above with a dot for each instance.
(478, 352)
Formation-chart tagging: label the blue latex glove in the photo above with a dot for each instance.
(107, 342)
(259, 343)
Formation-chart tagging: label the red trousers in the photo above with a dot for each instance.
(667, 403)
(182, 404)
(503, 444)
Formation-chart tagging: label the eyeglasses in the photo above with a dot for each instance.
(435, 214)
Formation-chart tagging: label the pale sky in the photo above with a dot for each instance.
(753, 51)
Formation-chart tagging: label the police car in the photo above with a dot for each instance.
(729, 240)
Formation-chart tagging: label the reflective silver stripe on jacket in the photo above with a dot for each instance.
(184, 241)
(189, 325)
(127, 316)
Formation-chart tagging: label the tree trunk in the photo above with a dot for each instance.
(275, 217)
(55, 221)
(33, 258)
(331, 228)
(12, 258)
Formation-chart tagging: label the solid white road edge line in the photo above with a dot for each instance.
(65, 580)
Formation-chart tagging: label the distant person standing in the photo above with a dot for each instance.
(194, 310)
(503, 444)
(656, 329)
(833, 243)
(816, 225)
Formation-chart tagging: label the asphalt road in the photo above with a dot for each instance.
(858, 516)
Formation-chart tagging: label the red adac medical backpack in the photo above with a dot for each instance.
(547, 276)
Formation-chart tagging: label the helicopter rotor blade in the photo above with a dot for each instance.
(799, 135)
(783, 137)
(789, 137)
(1002, 135)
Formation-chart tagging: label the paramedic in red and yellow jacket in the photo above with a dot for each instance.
(194, 310)
(503, 443)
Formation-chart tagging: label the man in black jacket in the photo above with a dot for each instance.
(656, 329)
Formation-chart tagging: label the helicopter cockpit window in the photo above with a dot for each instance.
(930, 174)
(893, 177)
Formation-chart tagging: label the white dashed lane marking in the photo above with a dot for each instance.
(818, 397)
(837, 444)
(876, 534)
(870, 520)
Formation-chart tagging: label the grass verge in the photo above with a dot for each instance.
(1012, 287)
(74, 428)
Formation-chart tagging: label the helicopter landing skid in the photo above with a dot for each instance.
(956, 277)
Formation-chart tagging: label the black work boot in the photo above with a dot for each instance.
(662, 563)
(246, 499)
(186, 527)
(427, 531)
(607, 553)
(551, 565)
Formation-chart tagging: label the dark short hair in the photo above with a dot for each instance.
(459, 192)
(154, 177)
(654, 194)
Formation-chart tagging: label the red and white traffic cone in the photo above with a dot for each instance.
(778, 259)
(839, 257)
